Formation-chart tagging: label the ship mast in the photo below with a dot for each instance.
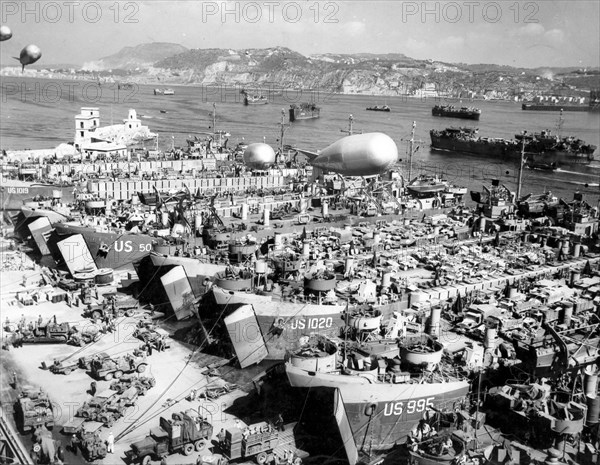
(214, 125)
(560, 123)
(349, 131)
(284, 127)
(411, 150)
(520, 182)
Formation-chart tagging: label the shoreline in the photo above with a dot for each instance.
(268, 87)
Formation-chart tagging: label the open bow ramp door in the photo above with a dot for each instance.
(40, 230)
(246, 336)
(76, 254)
(179, 292)
(345, 429)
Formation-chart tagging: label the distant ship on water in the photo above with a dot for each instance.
(455, 112)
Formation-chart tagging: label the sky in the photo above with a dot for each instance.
(517, 33)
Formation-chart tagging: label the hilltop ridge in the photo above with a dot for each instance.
(358, 73)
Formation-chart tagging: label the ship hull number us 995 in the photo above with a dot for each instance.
(409, 407)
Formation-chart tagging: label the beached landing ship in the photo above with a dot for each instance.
(381, 399)
(279, 321)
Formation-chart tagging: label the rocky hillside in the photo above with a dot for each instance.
(282, 67)
(140, 56)
(361, 73)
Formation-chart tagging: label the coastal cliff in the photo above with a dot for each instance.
(282, 68)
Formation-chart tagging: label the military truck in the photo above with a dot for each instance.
(89, 334)
(122, 304)
(45, 449)
(186, 432)
(91, 445)
(110, 368)
(141, 384)
(101, 402)
(108, 406)
(33, 409)
(85, 363)
(113, 306)
(152, 337)
(257, 440)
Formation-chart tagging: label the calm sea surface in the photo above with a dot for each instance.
(39, 113)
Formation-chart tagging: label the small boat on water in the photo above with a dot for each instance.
(255, 100)
(379, 108)
(163, 111)
(164, 92)
(540, 165)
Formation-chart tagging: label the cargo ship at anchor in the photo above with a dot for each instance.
(554, 107)
(542, 147)
(451, 111)
(304, 111)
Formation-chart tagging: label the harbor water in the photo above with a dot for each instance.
(39, 113)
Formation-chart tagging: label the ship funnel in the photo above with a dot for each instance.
(575, 276)
(567, 313)
(434, 321)
(490, 338)
(590, 381)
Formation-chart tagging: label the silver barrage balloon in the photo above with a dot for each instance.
(5, 33)
(29, 55)
(357, 155)
(259, 156)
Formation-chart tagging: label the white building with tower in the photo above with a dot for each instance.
(86, 124)
(88, 131)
